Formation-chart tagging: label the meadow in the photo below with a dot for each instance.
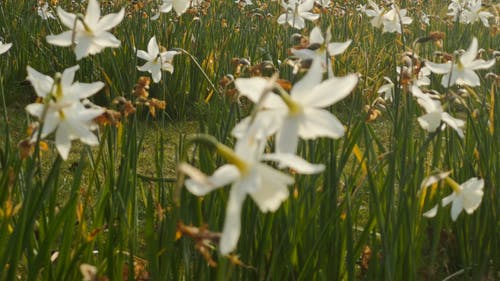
(249, 140)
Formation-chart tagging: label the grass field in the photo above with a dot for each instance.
(132, 132)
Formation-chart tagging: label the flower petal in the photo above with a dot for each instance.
(110, 20)
(330, 91)
(432, 212)
(232, 222)
(199, 184)
(62, 39)
(338, 48)
(294, 162)
(40, 82)
(439, 68)
(273, 190)
(287, 137)
(320, 123)
(93, 13)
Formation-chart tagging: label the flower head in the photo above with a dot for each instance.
(321, 49)
(461, 71)
(247, 176)
(435, 116)
(89, 34)
(62, 110)
(156, 61)
(301, 113)
(296, 12)
(466, 196)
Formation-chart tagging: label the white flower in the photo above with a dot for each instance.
(301, 113)
(156, 61)
(393, 20)
(4, 47)
(91, 34)
(62, 110)
(180, 6)
(390, 20)
(475, 12)
(376, 13)
(320, 48)
(44, 12)
(324, 3)
(387, 89)
(296, 12)
(248, 176)
(467, 196)
(425, 19)
(461, 72)
(435, 114)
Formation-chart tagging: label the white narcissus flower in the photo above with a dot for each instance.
(387, 89)
(156, 61)
(301, 113)
(320, 48)
(91, 34)
(435, 114)
(461, 71)
(44, 11)
(4, 47)
(247, 176)
(393, 20)
(466, 196)
(62, 110)
(180, 6)
(475, 12)
(296, 12)
(376, 13)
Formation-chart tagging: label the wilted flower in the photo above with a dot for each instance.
(62, 110)
(156, 61)
(4, 47)
(90, 34)
(296, 12)
(461, 71)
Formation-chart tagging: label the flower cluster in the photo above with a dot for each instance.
(469, 12)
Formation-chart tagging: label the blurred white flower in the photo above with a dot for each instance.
(62, 110)
(301, 113)
(435, 116)
(376, 13)
(425, 19)
(387, 89)
(322, 49)
(394, 18)
(296, 12)
(475, 12)
(180, 6)
(248, 176)
(156, 61)
(461, 71)
(324, 3)
(45, 12)
(390, 20)
(4, 47)
(466, 196)
(90, 34)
